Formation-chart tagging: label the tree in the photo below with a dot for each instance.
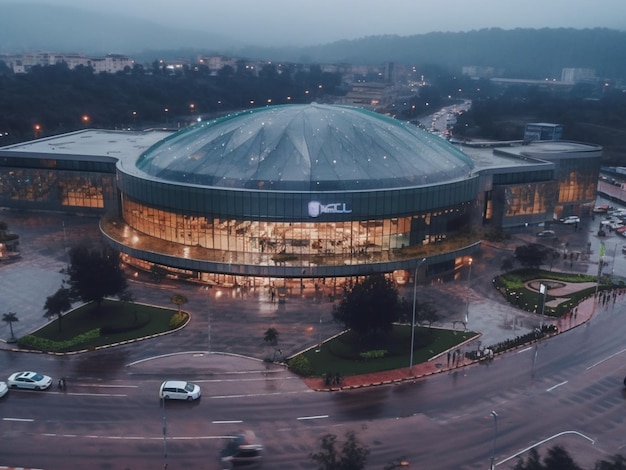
(532, 255)
(95, 274)
(271, 336)
(10, 318)
(508, 263)
(179, 300)
(557, 458)
(426, 313)
(353, 455)
(58, 303)
(371, 306)
(617, 462)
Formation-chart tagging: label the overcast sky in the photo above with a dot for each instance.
(301, 22)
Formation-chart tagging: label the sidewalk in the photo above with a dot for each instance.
(235, 320)
(584, 313)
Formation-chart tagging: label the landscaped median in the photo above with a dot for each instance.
(348, 354)
(90, 327)
(563, 291)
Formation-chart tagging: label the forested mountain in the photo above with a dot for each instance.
(520, 53)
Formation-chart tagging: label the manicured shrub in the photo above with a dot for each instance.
(300, 365)
(43, 344)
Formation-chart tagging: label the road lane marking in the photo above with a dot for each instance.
(524, 350)
(23, 420)
(555, 386)
(85, 394)
(234, 421)
(109, 386)
(303, 418)
(254, 395)
(606, 359)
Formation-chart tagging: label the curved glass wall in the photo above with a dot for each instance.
(262, 242)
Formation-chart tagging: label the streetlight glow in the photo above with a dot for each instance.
(494, 415)
(469, 277)
(413, 319)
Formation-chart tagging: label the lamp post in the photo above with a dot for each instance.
(413, 318)
(494, 415)
(469, 278)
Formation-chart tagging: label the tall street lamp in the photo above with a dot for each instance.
(469, 278)
(494, 415)
(413, 319)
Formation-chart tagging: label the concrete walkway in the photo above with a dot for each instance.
(237, 319)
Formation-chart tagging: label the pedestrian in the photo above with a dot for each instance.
(448, 358)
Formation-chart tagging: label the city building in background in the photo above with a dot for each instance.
(542, 131)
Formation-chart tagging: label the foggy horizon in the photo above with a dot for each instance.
(284, 22)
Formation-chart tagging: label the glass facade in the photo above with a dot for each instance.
(52, 189)
(271, 242)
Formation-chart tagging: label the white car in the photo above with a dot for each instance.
(28, 379)
(572, 219)
(179, 390)
(3, 389)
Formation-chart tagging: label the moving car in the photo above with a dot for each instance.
(572, 219)
(29, 379)
(179, 390)
(3, 389)
(547, 234)
(243, 450)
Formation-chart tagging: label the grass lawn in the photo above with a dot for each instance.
(343, 354)
(118, 321)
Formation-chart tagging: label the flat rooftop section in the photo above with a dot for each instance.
(515, 154)
(91, 142)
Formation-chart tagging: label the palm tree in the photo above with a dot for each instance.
(179, 300)
(271, 336)
(9, 318)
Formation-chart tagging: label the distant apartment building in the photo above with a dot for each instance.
(480, 71)
(542, 131)
(577, 75)
(111, 63)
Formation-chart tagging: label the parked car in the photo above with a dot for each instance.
(29, 379)
(547, 234)
(3, 389)
(179, 390)
(243, 450)
(572, 219)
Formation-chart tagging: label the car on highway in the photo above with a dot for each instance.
(179, 390)
(243, 450)
(546, 234)
(30, 380)
(3, 389)
(572, 219)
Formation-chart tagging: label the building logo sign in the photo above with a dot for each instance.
(316, 208)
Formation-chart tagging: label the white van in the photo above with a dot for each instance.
(179, 390)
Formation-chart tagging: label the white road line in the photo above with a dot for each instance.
(253, 395)
(302, 418)
(235, 421)
(24, 420)
(109, 386)
(606, 359)
(555, 386)
(524, 350)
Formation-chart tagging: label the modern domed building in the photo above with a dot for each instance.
(294, 191)
(300, 192)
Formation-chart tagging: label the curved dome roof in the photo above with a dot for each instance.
(305, 148)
